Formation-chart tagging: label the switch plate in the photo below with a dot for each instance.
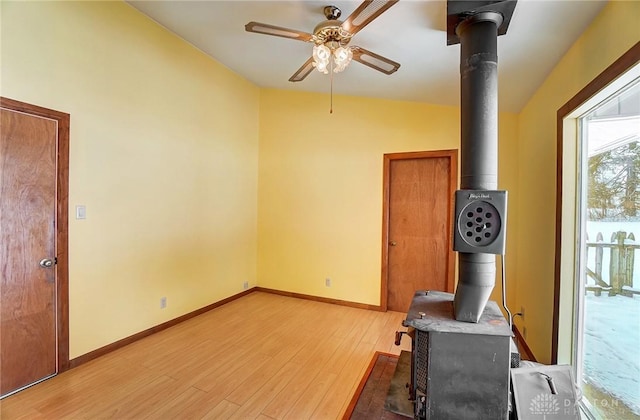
(81, 212)
(327, 282)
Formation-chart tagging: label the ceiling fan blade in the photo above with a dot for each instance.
(375, 61)
(365, 13)
(303, 71)
(264, 28)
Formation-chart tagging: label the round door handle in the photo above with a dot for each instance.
(46, 263)
(393, 243)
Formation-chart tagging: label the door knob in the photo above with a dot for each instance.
(46, 263)
(393, 243)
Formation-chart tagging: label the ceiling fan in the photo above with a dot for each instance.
(331, 37)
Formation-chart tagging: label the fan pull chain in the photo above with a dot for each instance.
(331, 96)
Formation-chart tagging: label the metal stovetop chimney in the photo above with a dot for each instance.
(476, 26)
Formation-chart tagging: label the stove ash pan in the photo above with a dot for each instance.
(458, 370)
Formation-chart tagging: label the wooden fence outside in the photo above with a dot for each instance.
(622, 250)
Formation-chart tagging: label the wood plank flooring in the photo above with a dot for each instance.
(263, 356)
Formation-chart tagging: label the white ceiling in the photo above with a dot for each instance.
(412, 32)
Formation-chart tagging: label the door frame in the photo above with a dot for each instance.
(62, 222)
(452, 154)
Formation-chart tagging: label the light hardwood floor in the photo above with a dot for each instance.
(263, 356)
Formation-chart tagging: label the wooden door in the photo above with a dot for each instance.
(417, 247)
(28, 236)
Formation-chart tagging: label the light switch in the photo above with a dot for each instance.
(81, 212)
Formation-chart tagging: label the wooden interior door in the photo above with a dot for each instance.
(418, 212)
(28, 255)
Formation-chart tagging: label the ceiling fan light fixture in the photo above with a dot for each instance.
(321, 57)
(342, 57)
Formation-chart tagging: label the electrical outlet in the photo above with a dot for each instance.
(163, 302)
(245, 285)
(327, 282)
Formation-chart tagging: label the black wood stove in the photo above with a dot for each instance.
(459, 370)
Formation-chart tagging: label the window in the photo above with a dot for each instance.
(608, 293)
(597, 322)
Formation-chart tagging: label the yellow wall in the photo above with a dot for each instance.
(611, 34)
(320, 185)
(164, 154)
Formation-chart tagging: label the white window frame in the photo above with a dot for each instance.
(571, 215)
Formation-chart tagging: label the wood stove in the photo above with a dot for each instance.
(458, 370)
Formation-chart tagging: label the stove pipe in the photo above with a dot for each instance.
(478, 36)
